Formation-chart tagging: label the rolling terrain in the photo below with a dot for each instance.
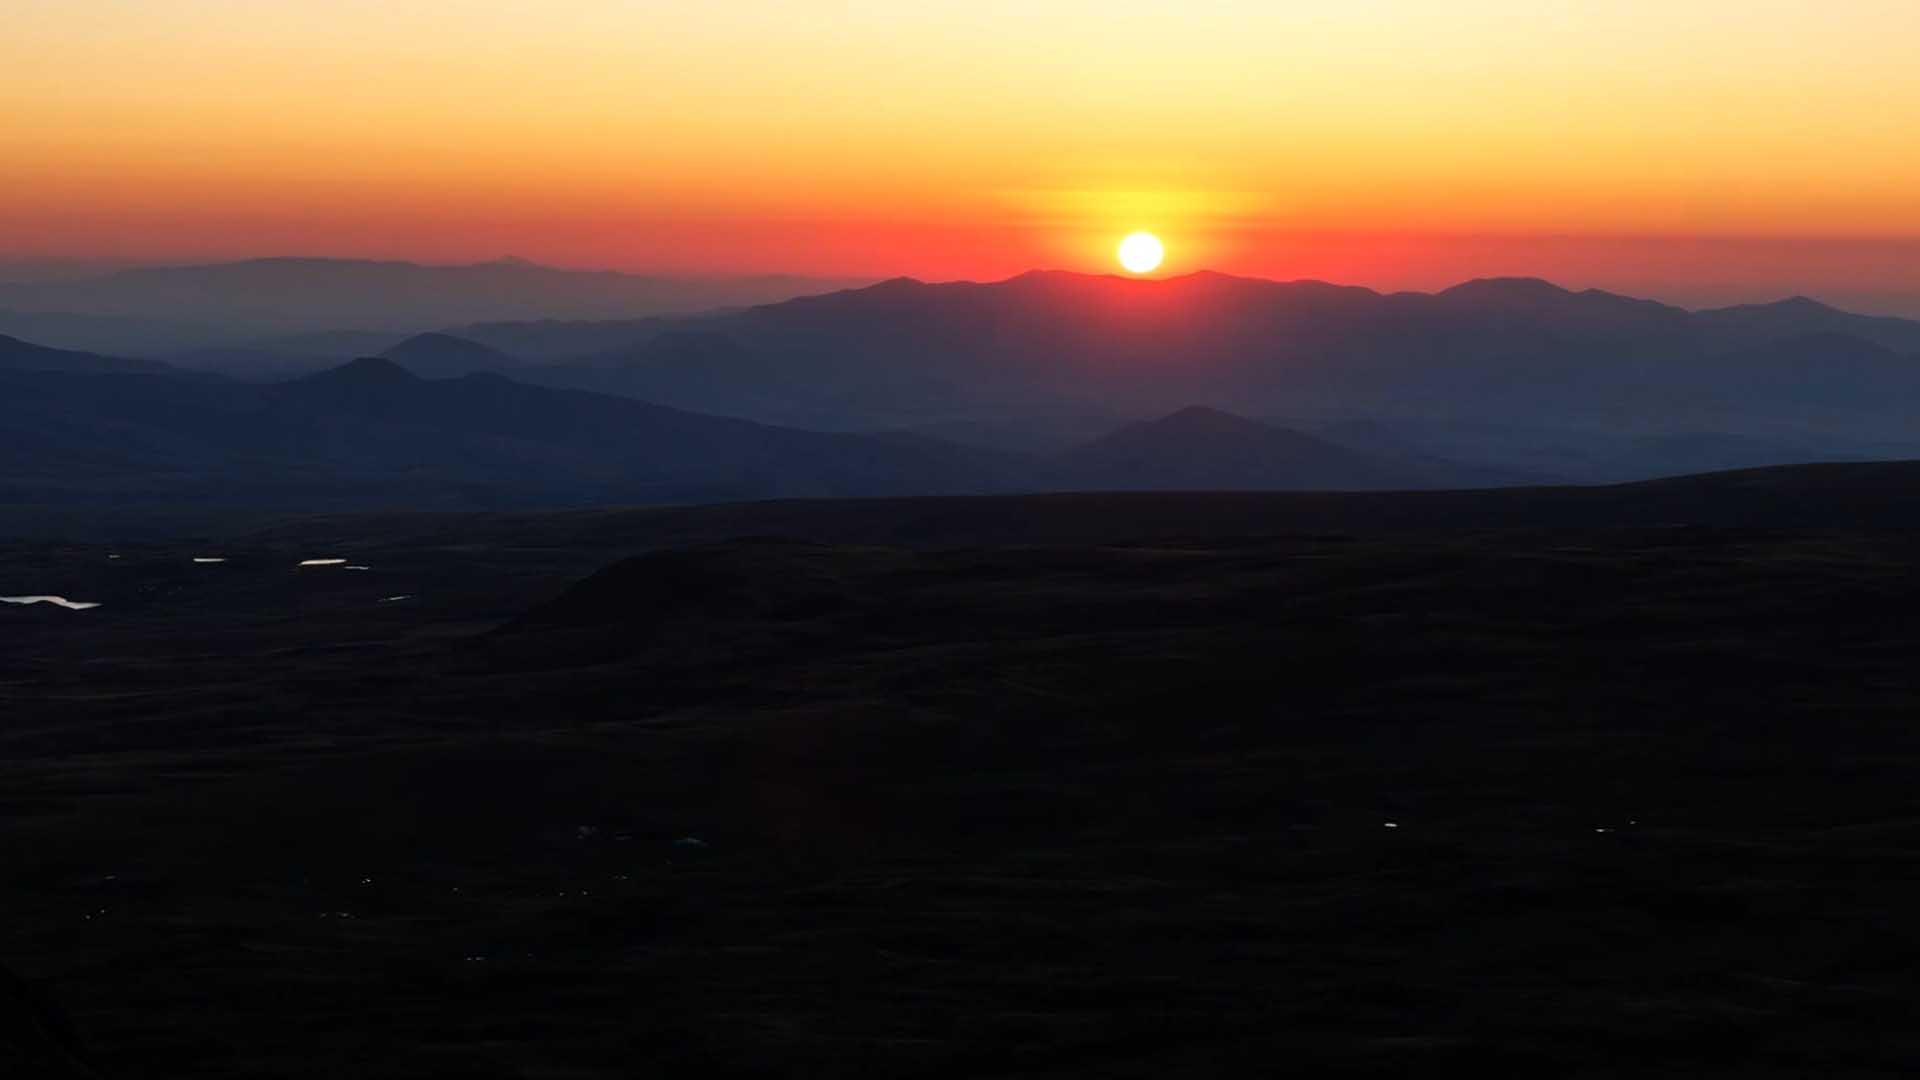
(1576, 781)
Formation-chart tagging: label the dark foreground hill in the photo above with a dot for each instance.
(1580, 782)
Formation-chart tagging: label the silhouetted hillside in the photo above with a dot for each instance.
(1201, 449)
(1824, 377)
(1749, 325)
(282, 358)
(440, 356)
(157, 338)
(546, 341)
(17, 355)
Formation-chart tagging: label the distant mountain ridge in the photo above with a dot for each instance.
(154, 310)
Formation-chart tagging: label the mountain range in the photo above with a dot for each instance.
(1515, 351)
(1043, 382)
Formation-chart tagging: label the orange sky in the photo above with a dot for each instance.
(1386, 142)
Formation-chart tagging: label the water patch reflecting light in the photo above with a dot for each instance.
(57, 601)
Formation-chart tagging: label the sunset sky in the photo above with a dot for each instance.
(1710, 149)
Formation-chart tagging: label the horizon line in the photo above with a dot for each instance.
(848, 283)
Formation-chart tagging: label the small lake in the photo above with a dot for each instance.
(57, 601)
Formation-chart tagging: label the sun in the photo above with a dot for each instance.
(1141, 252)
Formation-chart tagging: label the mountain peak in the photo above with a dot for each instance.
(1204, 418)
(1803, 304)
(366, 370)
(433, 339)
(1507, 288)
(1195, 425)
(1791, 307)
(435, 355)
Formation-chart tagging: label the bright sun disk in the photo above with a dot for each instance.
(1141, 252)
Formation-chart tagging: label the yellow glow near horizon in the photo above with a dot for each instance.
(1141, 253)
(945, 137)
